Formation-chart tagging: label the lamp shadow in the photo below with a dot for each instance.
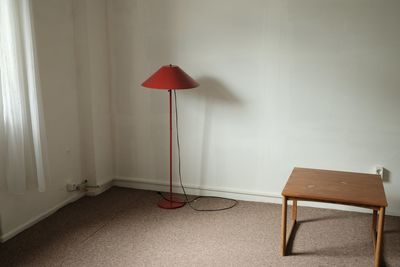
(215, 92)
(217, 98)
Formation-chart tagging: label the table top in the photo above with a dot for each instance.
(347, 188)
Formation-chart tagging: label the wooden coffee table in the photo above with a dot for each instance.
(347, 188)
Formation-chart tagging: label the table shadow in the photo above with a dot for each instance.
(327, 251)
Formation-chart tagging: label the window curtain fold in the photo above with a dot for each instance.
(22, 129)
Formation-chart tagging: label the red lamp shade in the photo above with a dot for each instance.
(170, 77)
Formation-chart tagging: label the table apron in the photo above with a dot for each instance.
(334, 202)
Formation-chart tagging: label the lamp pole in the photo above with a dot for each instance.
(170, 202)
(170, 145)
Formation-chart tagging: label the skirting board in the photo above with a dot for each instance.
(268, 197)
(31, 222)
(97, 190)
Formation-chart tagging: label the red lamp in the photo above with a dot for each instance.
(170, 77)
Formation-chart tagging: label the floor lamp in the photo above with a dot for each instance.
(170, 78)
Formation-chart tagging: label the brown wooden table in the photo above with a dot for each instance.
(347, 188)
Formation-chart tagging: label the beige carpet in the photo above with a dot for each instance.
(124, 227)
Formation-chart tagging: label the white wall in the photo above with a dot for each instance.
(93, 71)
(55, 47)
(283, 83)
(73, 62)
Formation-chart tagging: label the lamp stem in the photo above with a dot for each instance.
(171, 202)
(170, 145)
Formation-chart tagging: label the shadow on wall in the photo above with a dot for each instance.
(386, 175)
(215, 94)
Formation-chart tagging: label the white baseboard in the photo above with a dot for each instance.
(31, 222)
(97, 190)
(155, 185)
(246, 195)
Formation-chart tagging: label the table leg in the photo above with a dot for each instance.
(373, 227)
(283, 226)
(379, 238)
(294, 211)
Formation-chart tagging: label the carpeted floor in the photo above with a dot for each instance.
(124, 227)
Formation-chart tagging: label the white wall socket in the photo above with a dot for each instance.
(72, 187)
(380, 171)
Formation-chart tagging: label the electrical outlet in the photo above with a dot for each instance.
(380, 171)
(72, 187)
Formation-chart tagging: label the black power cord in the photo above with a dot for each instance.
(189, 202)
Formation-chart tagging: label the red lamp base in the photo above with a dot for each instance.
(168, 203)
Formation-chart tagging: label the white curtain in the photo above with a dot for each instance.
(22, 135)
